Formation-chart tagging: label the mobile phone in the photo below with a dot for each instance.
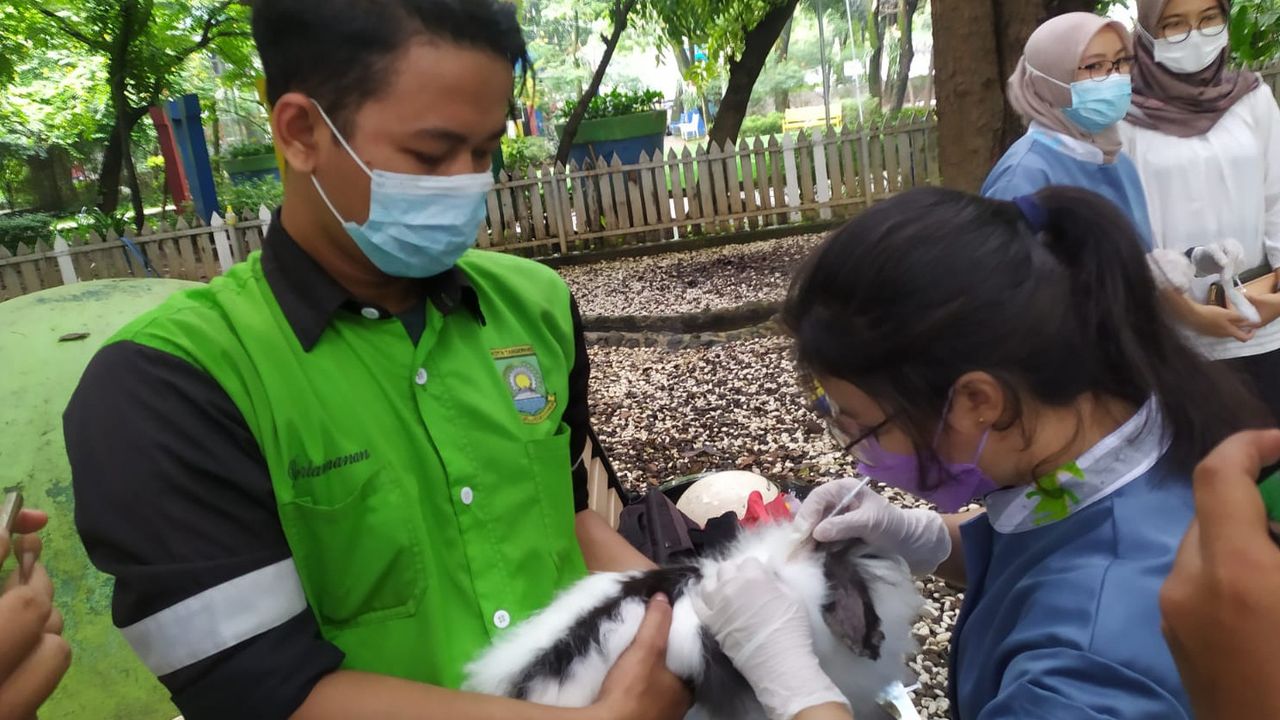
(1269, 486)
(10, 506)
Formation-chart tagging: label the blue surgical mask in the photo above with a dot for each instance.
(1096, 104)
(1099, 104)
(419, 226)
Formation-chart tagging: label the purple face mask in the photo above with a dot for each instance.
(950, 486)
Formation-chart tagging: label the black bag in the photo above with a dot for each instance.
(657, 528)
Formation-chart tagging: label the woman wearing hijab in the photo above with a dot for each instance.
(1206, 142)
(1072, 86)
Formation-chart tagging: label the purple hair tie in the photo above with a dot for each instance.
(1035, 215)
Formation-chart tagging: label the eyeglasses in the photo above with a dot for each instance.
(1179, 30)
(847, 433)
(1104, 69)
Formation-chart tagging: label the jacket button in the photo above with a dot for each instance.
(371, 313)
(467, 496)
(501, 619)
(421, 377)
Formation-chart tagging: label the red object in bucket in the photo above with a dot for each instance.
(759, 512)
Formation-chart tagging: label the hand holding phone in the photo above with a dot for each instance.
(33, 655)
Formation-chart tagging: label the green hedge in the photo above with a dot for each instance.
(522, 153)
(762, 125)
(27, 229)
(245, 150)
(246, 198)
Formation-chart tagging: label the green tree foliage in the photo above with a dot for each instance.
(144, 46)
(246, 198)
(1255, 31)
(620, 15)
(557, 30)
(56, 104)
(521, 153)
(58, 99)
(721, 26)
(738, 35)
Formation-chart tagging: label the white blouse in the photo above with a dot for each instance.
(1222, 184)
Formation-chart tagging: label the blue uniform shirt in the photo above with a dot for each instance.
(1061, 619)
(1043, 158)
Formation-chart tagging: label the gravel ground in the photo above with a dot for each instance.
(691, 281)
(665, 414)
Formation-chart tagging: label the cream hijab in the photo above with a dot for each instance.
(1054, 50)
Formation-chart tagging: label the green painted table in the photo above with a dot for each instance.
(38, 373)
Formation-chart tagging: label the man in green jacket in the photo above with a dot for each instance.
(328, 479)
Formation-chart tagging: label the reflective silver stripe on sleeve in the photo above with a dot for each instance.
(218, 618)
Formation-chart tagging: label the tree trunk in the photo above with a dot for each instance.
(44, 183)
(109, 176)
(782, 98)
(117, 162)
(977, 45)
(135, 188)
(577, 46)
(117, 79)
(215, 124)
(906, 53)
(824, 53)
(745, 70)
(621, 14)
(970, 84)
(683, 63)
(10, 193)
(875, 78)
(1054, 8)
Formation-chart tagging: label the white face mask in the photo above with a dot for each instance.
(1193, 54)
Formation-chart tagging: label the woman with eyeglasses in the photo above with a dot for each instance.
(971, 348)
(1206, 141)
(1072, 87)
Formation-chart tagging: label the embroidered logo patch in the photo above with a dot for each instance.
(520, 370)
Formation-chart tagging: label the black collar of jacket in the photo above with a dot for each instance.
(310, 297)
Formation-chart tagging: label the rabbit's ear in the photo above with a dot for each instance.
(849, 611)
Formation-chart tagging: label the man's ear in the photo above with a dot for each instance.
(298, 130)
(849, 613)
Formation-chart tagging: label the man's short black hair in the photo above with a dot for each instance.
(338, 51)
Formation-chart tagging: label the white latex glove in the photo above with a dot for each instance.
(1225, 257)
(1171, 270)
(766, 632)
(919, 536)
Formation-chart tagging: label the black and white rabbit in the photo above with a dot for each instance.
(862, 604)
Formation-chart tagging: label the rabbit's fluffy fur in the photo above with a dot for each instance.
(862, 604)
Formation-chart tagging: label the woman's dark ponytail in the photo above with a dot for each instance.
(1140, 354)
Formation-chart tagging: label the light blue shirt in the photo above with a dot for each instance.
(1061, 618)
(1043, 158)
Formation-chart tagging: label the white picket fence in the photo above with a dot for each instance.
(754, 184)
(558, 210)
(186, 250)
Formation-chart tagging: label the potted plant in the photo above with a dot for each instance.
(620, 122)
(251, 161)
